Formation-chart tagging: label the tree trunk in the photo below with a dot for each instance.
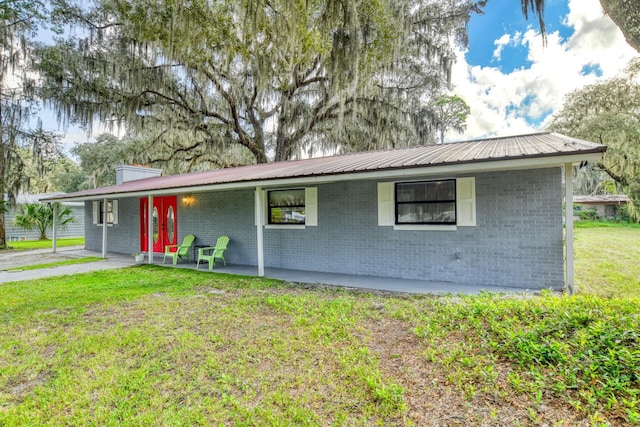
(261, 157)
(624, 13)
(283, 148)
(3, 231)
(283, 144)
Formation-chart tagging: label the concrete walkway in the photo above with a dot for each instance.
(16, 259)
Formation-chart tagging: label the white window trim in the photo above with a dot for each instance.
(311, 209)
(466, 202)
(95, 212)
(425, 227)
(284, 227)
(465, 207)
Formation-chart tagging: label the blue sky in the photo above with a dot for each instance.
(513, 83)
(505, 17)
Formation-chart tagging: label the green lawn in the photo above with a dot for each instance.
(43, 244)
(58, 263)
(608, 261)
(149, 345)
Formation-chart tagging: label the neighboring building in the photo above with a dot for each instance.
(13, 232)
(484, 212)
(605, 205)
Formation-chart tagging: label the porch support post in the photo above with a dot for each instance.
(54, 227)
(105, 209)
(568, 210)
(260, 230)
(150, 227)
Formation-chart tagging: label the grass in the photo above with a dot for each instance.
(58, 263)
(140, 346)
(44, 244)
(607, 224)
(153, 346)
(583, 351)
(608, 261)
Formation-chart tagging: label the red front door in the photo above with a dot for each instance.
(164, 225)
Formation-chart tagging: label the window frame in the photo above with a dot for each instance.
(465, 206)
(453, 201)
(112, 214)
(270, 221)
(109, 212)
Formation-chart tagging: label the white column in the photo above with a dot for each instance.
(150, 227)
(568, 207)
(105, 208)
(54, 232)
(260, 230)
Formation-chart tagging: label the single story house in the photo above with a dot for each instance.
(14, 233)
(604, 205)
(481, 212)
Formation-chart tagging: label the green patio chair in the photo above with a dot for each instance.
(211, 253)
(181, 250)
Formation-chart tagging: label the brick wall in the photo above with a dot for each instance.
(517, 240)
(227, 213)
(123, 237)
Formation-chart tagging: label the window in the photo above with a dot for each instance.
(426, 202)
(286, 207)
(112, 212)
(443, 204)
(109, 213)
(294, 208)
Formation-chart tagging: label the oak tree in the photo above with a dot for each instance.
(19, 21)
(609, 112)
(213, 84)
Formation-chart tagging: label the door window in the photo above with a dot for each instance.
(156, 225)
(170, 224)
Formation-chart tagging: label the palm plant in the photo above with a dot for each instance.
(39, 217)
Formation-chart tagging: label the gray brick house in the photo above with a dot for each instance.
(482, 212)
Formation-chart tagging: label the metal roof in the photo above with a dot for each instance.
(602, 199)
(532, 146)
(23, 198)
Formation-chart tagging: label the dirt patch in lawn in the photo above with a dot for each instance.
(432, 398)
(15, 259)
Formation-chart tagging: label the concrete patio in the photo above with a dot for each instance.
(349, 281)
(115, 260)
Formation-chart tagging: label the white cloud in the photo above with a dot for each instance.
(501, 102)
(506, 40)
(500, 44)
(72, 137)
